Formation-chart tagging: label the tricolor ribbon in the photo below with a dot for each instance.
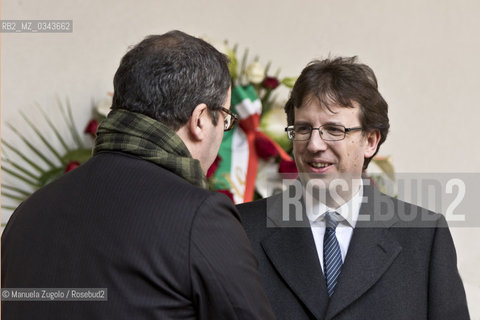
(238, 169)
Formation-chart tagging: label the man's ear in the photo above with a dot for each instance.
(197, 123)
(371, 143)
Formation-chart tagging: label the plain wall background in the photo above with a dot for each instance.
(424, 53)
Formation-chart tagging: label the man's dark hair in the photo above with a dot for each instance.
(342, 81)
(166, 76)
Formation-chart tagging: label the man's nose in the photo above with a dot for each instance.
(316, 143)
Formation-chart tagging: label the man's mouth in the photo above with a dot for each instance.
(319, 165)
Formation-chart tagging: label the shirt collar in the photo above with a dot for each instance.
(348, 212)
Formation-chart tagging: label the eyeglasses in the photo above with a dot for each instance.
(328, 132)
(229, 120)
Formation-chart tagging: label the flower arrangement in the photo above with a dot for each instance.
(73, 150)
(258, 144)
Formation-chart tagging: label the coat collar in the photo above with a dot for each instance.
(291, 249)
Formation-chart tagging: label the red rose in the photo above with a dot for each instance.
(227, 193)
(92, 127)
(72, 165)
(270, 83)
(213, 168)
(287, 167)
(265, 148)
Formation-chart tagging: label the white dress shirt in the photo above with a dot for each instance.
(348, 212)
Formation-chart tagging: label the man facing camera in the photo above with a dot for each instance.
(332, 246)
(137, 220)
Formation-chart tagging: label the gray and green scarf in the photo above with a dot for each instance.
(146, 138)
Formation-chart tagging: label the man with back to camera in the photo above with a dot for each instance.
(332, 246)
(137, 218)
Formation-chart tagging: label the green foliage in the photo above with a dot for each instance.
(36, 173)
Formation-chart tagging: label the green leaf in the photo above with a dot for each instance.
(73, 128)
(70, 125)
(50, 176)
(277, 74)
(22, 169)
(233, 67)
(52, 126)
(80, 155)
(30, 162)
(385, 164)
(18, 190)
(266, 103)
(13, 197)
(19, 176)
(243, 66)
(289, 82)
(42, 137)
(267, 68)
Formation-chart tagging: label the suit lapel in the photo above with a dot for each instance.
(292, 252)
(372, 250)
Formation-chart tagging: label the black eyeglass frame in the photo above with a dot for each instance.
(235, 118)
(345, 131)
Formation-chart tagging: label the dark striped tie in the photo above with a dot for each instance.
(332, 257)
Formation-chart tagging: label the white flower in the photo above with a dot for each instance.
(255, 72)
(269, 181)
(273, 123)
(103, 106)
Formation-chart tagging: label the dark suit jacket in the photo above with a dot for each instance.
(400, 265)
(163, 248)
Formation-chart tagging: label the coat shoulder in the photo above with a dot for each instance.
(256, 216)
(253, 214)
(383, 210)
